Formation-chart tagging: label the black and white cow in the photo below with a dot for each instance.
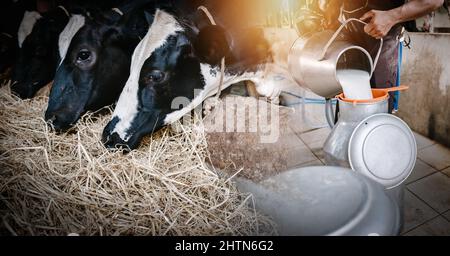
(38, 54)
(17, 21)
(96, 62)
(11, 16)
(179, 54)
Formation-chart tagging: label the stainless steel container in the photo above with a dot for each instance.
(327, 200)
(336, 147)
(350, 116)
(314, 61)
(371, 142)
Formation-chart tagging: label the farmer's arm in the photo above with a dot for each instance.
(381, 22)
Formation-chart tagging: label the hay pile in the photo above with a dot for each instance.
(56, 184)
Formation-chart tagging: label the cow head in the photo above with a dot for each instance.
(38, 55)
(95, 67)
(11, 17)
(171, 62)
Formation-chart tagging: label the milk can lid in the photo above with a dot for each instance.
(383, 148)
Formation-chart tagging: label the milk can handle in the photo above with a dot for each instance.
(324, 52)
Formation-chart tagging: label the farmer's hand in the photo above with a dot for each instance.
(379, 23)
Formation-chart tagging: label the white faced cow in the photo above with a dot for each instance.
(179, 55)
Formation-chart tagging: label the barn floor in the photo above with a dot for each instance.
(427, 195)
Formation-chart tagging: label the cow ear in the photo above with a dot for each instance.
(211, 44)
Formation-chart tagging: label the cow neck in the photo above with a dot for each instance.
(222, 61)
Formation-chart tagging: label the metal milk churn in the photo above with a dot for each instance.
(368, 140)
(350, 116)
(314, 61)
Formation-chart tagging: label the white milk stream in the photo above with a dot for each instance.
(355, 83)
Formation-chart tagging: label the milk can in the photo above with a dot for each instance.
(314, 61)
(372, 142)
(350, 115)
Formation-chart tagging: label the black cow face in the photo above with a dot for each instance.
(95, 68)
(38, 57)
(169, 64)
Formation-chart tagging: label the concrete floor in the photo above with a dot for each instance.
(427, 195)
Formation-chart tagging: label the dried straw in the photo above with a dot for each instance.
(56, 184)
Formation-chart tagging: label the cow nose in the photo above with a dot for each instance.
(51, 119)
(113, 141)
(57, 121)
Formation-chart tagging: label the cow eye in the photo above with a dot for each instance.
(83, 56)
(156, 76)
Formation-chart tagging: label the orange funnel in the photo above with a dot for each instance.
(378, 95)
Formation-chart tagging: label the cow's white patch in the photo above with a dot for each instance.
(164, 25)
(76, 22)
(26, 26)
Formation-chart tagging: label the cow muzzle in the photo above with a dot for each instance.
(59, 120)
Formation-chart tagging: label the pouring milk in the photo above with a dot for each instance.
(355, 84)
